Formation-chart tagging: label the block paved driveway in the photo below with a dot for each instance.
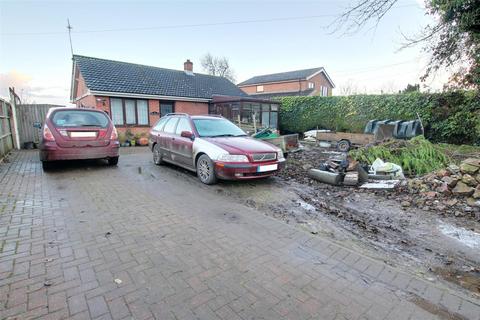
(95, 242)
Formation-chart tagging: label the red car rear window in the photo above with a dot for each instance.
(79, 118)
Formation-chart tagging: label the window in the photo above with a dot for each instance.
(129, 112)
(256, 114)
(130, 117)
(159, 125)
(324, 91)
(142, 112)
(217, 127)
(265, 115)
(79, 118)
(183, 125)
(170, 125)
(116, 107)
(165, 108)
(259, 88)
(273, 119)
(311, 85)
(246, 114)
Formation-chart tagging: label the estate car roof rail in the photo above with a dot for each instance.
(177, 114)
(211, 115)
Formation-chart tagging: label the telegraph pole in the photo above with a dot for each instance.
(69, 27)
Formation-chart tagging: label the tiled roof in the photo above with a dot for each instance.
(122, 77)
(282, 76)
(281, 94)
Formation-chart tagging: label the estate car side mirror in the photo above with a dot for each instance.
(188, 134)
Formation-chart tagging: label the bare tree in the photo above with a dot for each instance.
(348, 88)
(361, 13)
(389, 87)
(26, 97)
(453, 40)
(217, 66)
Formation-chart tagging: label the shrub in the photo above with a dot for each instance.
(416, 156)
(452, 117)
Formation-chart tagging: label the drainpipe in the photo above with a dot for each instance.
(13, 104)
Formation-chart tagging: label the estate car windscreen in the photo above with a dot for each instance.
(217, 128)
(79, 118)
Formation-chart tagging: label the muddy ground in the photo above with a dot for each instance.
(438, 246)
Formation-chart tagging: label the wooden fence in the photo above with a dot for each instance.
(6, 136)
(27, 116)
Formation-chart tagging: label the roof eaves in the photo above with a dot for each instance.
(260, 83)
(147, 96)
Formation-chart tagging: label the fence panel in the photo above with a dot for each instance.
(6, 136)
(27, 115)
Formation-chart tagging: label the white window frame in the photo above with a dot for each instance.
(123, 111)
(260, 88)
(311, 85)
(114, 115)
(324, 91)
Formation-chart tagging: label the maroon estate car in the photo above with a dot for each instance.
(75, 134)
(213, 147)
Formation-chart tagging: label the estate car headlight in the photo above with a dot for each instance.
(232, 158)
(280, 155)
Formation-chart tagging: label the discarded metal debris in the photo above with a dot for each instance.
(332, 178)
(351, 179)
(338, 170)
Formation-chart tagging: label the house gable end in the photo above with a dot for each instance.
(322, 73)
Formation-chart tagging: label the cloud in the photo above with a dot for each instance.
(32, 90)
(13, 79)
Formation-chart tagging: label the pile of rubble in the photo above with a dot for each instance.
(455, 190)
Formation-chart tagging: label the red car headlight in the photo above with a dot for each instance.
(233, 158)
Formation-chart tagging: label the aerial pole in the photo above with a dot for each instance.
(69, 27)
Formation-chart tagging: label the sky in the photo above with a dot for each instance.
(258, 37)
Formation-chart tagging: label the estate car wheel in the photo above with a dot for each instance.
(112, 161)
(157, 156)
(343, 145)
(206, 170)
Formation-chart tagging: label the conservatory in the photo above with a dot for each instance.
(250, 114)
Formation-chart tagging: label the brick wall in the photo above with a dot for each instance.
(319, 80)
(87, 101)
(153, 106)
(274, 87)
(193, 108)
(292, 86)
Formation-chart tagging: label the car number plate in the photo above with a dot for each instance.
(83, 134)
(269, 167)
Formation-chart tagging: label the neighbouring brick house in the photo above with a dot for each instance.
(135, 95)
(307, 82)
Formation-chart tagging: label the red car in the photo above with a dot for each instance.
(213, 147)
(75, 134)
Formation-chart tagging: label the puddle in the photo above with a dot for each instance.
(469, 238)
(468, 280)
(437, 310)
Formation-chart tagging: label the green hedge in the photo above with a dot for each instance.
(452, 117)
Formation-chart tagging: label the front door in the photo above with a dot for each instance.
(166, 108)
